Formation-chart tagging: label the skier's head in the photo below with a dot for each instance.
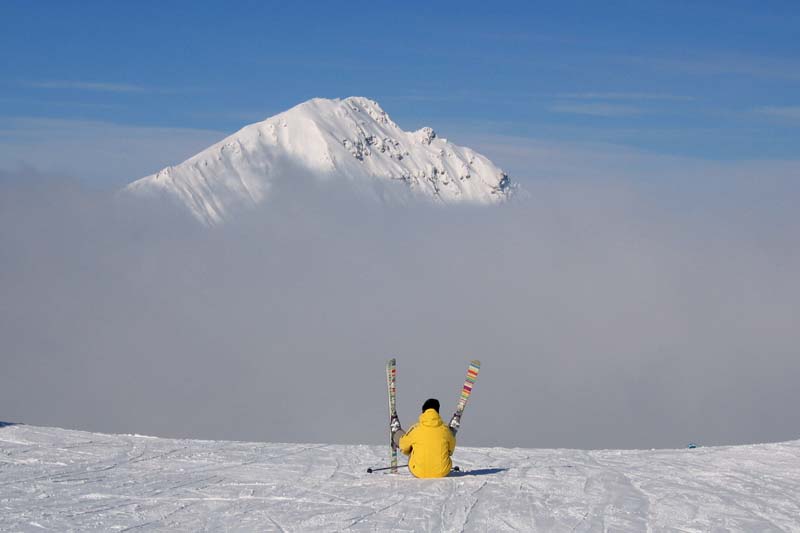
(431, 403)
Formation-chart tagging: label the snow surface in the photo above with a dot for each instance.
(56, 479)
(351, 138)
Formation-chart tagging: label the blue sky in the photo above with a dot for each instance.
(651, 271)
(708, 80)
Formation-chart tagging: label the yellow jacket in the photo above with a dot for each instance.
(430, 443)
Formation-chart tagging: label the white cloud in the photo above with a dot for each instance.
(625, 96)
(94, 150)
(88, 86)
(619, 307)
(543, 159)
(597, 109)
(790, 112)
(759, 67)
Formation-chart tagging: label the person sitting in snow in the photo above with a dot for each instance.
(429, 442)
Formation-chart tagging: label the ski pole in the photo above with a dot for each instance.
(371, 470)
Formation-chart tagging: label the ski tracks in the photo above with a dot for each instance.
(616, 504)
(66, 480)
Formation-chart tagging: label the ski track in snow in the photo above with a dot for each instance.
(62, 480)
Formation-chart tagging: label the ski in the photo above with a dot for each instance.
(391, 375)
(466, 391)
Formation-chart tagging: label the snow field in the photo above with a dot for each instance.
(64, 480)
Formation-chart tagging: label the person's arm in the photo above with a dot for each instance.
(407, 441)
(451, 442)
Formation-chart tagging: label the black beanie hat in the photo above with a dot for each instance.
(431, 403)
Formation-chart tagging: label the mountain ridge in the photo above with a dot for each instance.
(351, 137)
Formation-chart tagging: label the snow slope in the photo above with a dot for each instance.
(351, 138)
(55, 479)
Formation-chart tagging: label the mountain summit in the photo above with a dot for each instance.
(352, 138)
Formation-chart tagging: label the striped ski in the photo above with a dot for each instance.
(466, 391)
(391, 375)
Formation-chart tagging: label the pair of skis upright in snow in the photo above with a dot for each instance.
(455, 421)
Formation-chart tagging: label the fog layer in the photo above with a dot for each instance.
(606, 314)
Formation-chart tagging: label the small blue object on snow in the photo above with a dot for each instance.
(692, 446)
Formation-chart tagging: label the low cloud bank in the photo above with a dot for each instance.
(605, 315)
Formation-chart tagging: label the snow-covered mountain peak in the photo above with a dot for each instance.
(356, 108)
(425, 135)
(370, 107)
(351, 138)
